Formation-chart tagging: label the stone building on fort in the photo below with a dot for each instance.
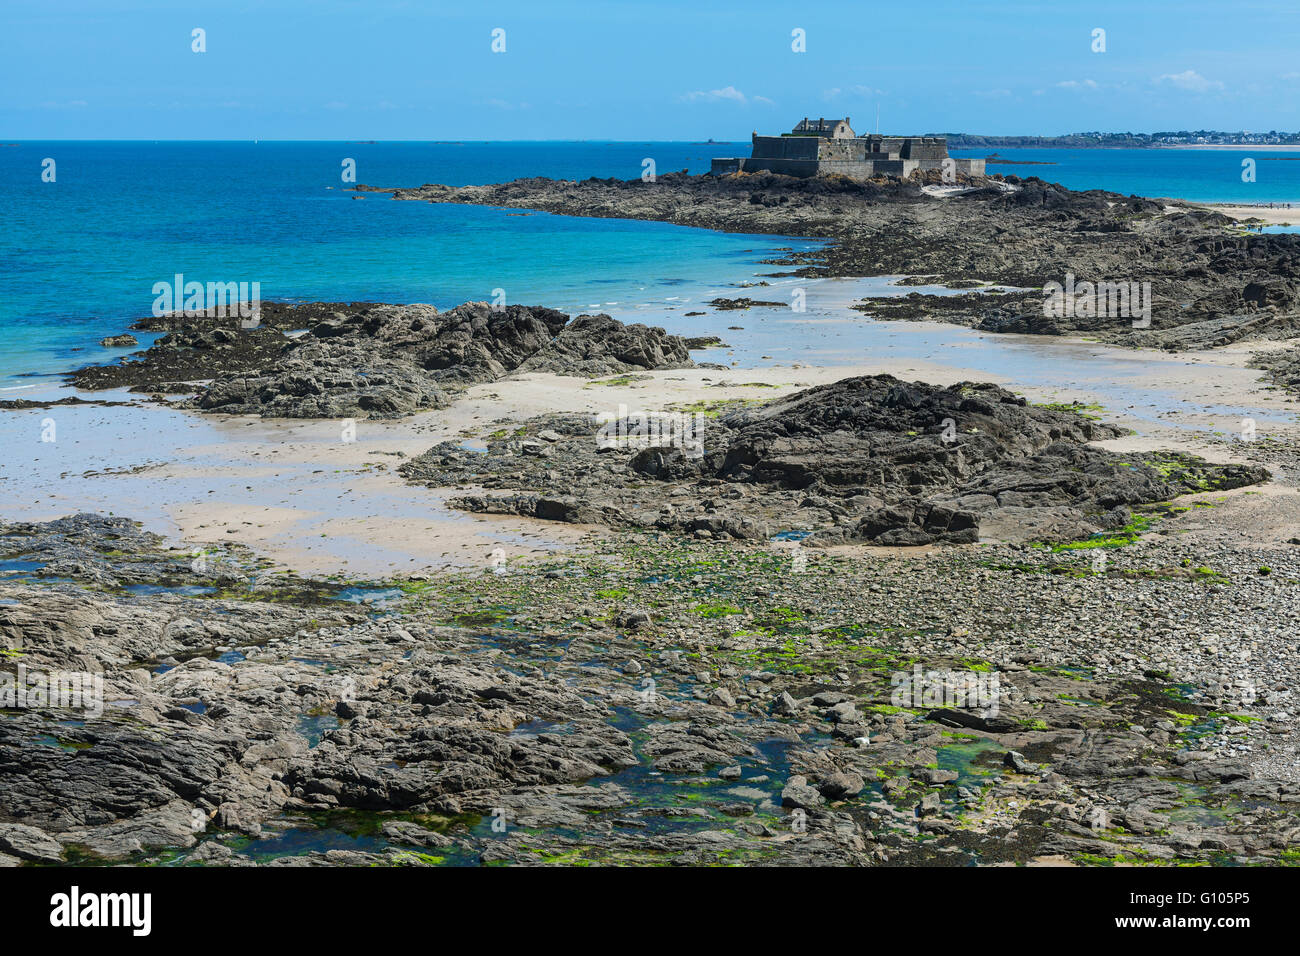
(822, 147)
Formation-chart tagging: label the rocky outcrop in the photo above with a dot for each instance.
(1282, 367)
(544, 716)
(1211, 283)
(317, 382)
(378, 361)
(869, 459)
(594, 345)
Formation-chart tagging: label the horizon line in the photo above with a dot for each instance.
(4, 141)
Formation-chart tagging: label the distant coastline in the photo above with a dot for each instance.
(1183, 139)
(1230, 146)
(1150, 146)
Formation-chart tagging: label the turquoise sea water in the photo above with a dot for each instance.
(79, 256)
(1201, 175)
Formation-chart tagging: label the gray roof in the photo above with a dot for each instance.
(819, 125)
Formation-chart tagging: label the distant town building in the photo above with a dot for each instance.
(823, 147)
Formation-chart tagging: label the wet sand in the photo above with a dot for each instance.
(298, 493)
(1270, 215)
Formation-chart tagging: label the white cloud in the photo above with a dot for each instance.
(722, 95)
(1189, 80)
(1078, 85)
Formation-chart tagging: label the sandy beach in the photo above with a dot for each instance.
(1274, 214)
(315, 504)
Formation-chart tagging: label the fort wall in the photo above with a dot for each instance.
(821, 147)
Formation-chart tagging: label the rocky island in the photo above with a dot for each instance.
(1212, 282)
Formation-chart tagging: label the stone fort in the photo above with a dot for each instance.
(823, 147)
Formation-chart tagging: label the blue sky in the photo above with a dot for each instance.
(385, 69)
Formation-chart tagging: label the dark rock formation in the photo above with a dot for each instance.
(1211, 283)
(250, 726)
(1282, 367)
(723, 305)
(594, 345)
(377, 361)
(863, 459)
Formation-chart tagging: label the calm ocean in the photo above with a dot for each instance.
(79, 256)
(1201, 175)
